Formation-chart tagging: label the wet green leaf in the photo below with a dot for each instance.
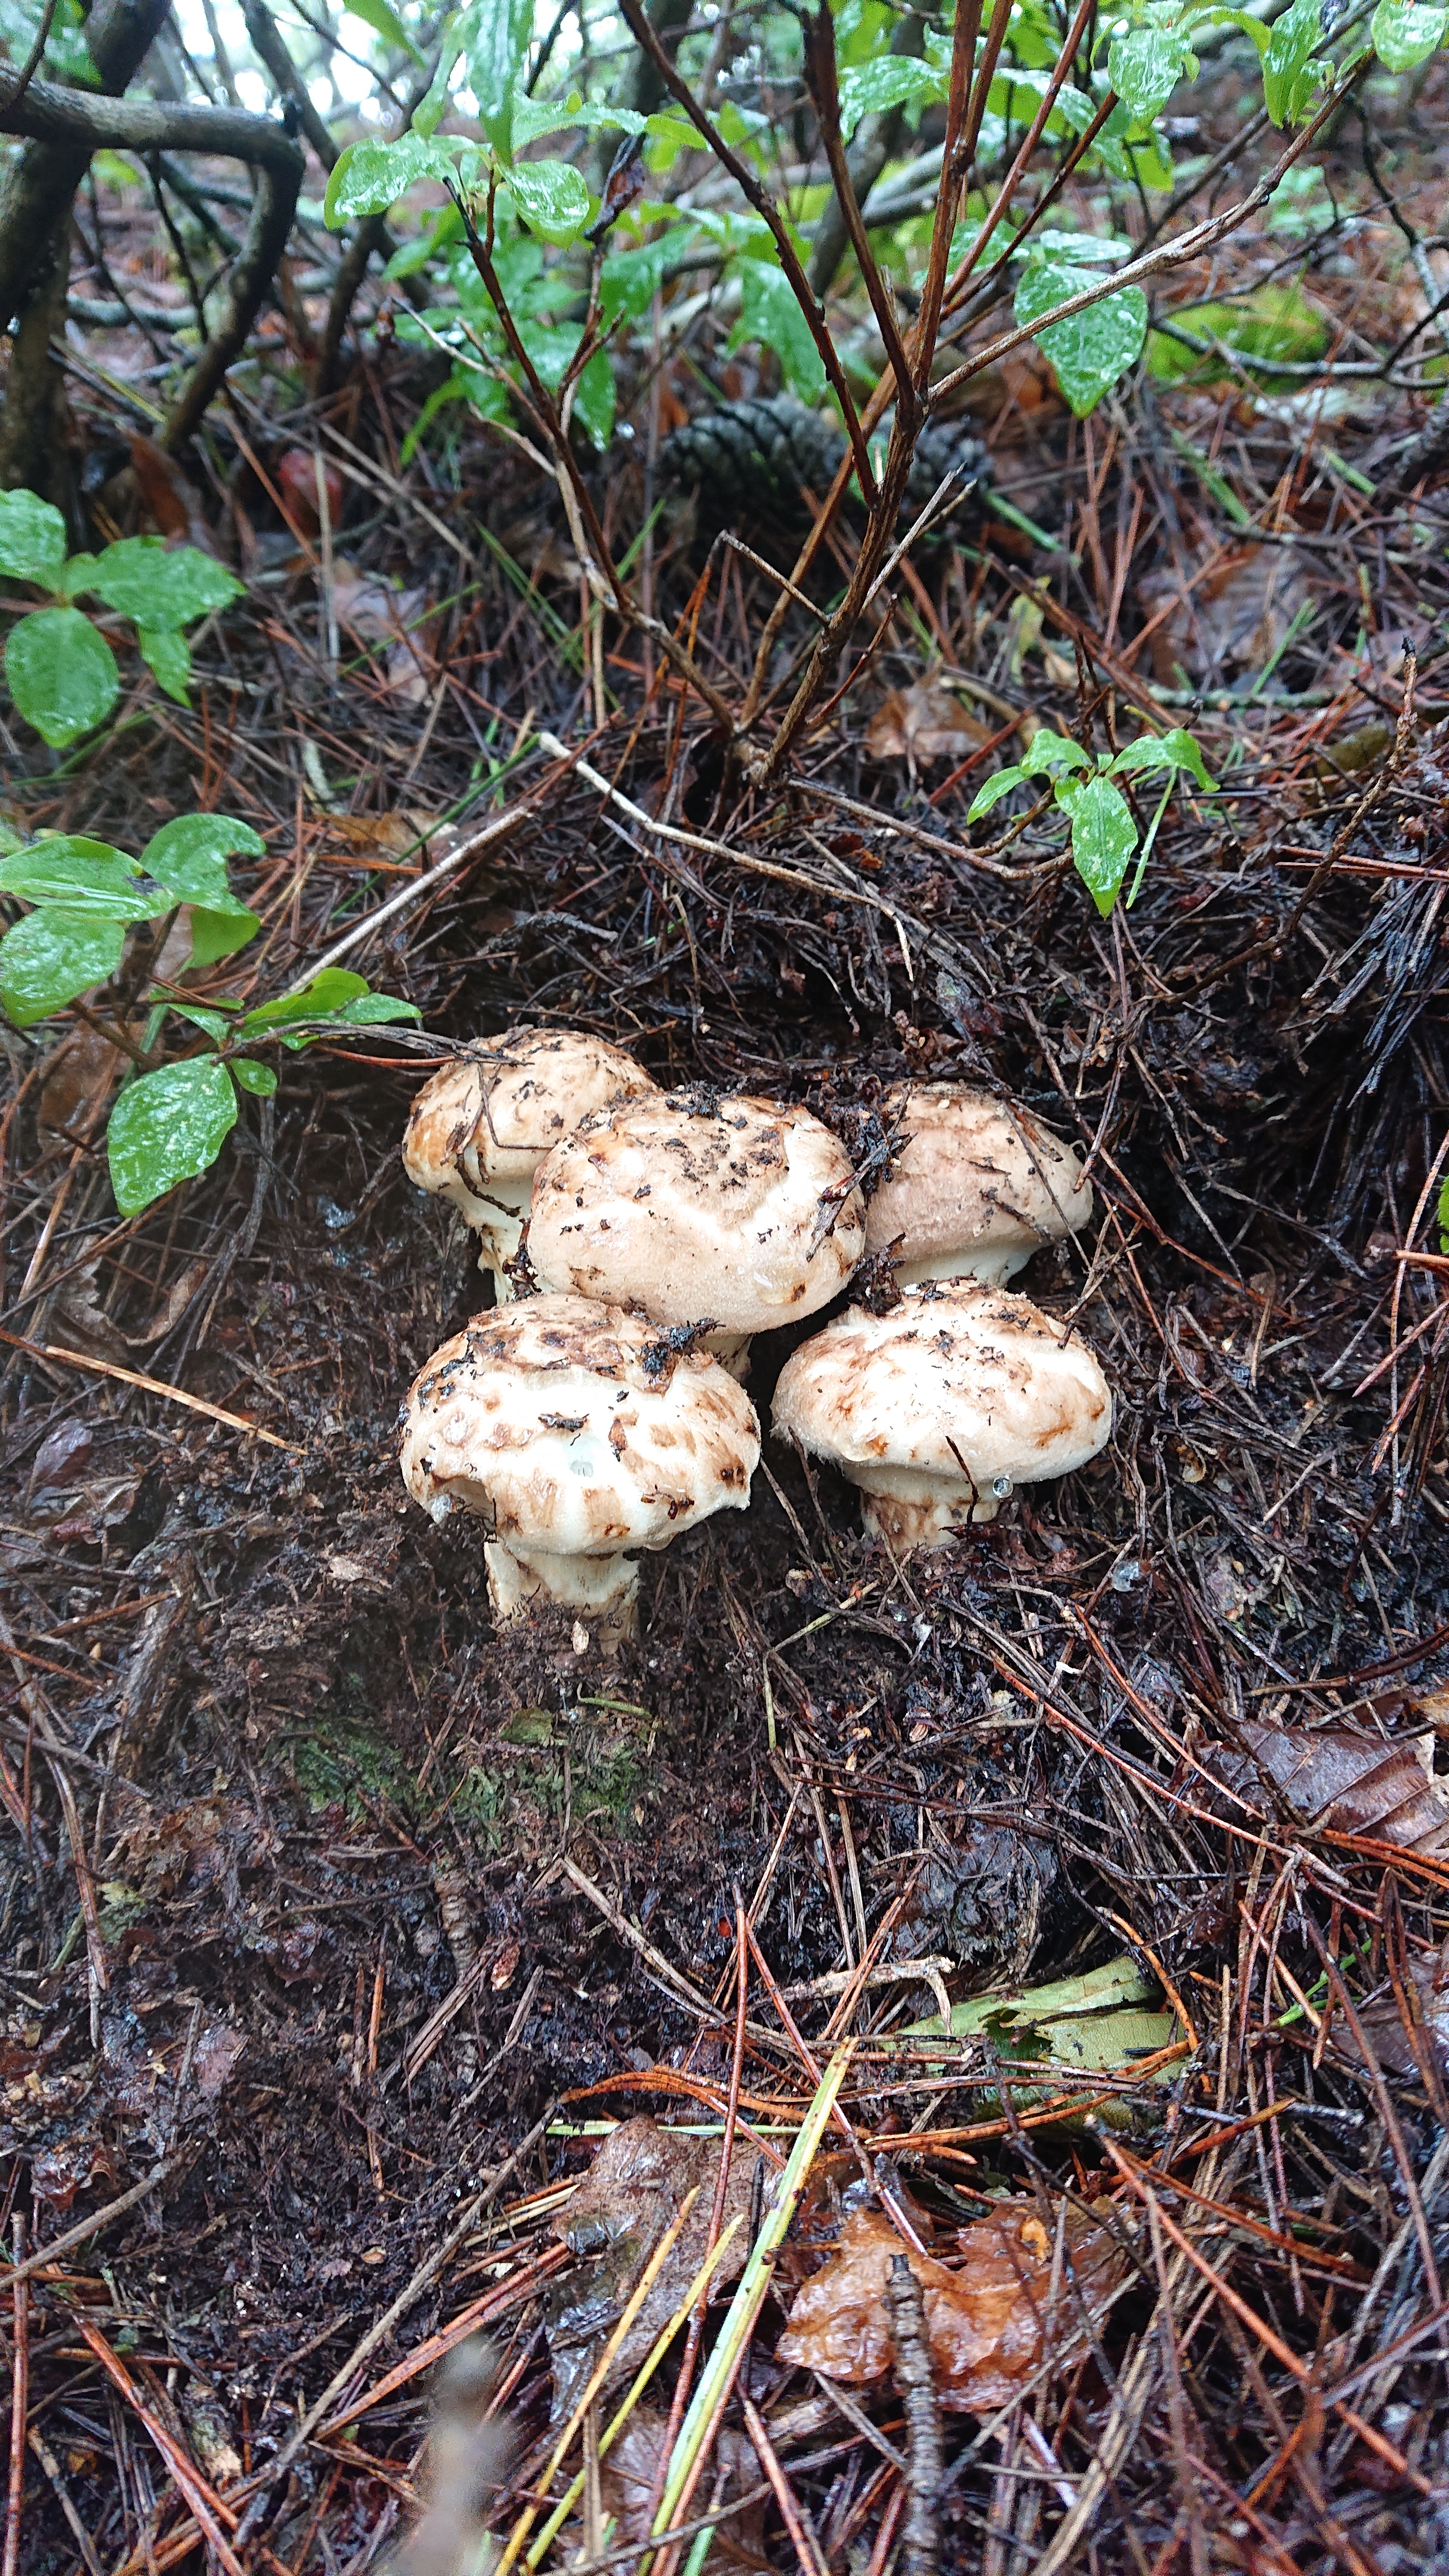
(167, 1127)
(32, 540)
(53, 955)
(61, 674)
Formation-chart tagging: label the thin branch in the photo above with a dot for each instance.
(769, 213)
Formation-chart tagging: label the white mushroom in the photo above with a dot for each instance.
(976, 1186)
(576, 1434)
(480, 1128)
(939, 1408)
(693, 1207)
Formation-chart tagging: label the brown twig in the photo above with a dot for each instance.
(916, 2387)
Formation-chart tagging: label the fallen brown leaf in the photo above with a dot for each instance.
(987, 2318)
(922, 723)
(1352, 1782)
(632, 2192)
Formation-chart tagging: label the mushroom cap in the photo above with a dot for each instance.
(572, 1431)
(959, 1382)
(493, 1115)
(737, 1210)
(978, 1185)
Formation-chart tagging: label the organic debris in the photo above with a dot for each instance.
(990, 2315)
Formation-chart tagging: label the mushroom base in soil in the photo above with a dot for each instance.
(576, 1436)
(938, 1409)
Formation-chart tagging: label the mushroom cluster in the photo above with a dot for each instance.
(663, 1230)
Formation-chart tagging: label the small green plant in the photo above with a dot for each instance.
(59, 669)
(173, 1116)
(1443, 1215)
(1103, 827)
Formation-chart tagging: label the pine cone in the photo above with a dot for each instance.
(755, 460)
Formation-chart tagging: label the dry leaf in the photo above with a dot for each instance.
(629, 2471)
(297, 483)
(987, 2319)
(374, 611)
(167, 495)
(920, 724)
(466, 2462)
(386, 836)
(80, 1076)
(1353, 1782)
(1232, 619)
(631, 2193)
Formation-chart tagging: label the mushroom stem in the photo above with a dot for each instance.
(993, 1267)
(910, 1509)
(603, 1590)
(732, 1350)
(500, 1210)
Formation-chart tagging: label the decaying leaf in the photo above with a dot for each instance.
(297, 482)
(1095, 2024)
(1346, 1779)
(375, 611)
(629, 2471)
(80, 1076)
(167, 495)
(383, 836)
(1426, 1992)
(632, 2192)
(921, 724)
(1233, 619)
(988, 2317)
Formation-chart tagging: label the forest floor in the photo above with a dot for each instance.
(336, 1934)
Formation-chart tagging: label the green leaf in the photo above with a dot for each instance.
(32, 540)
(630, 279)
(51, 956)
(994, 790)
(1405, 32)
(1092, 349)
(1145, 67)
(1175, 750)
(415, 254)
(1442, 1214)
(75, 580)
(324, 998)
(169, 656)
(551, 197)
(372, 1009)
(594, 399)
(61, 674)
(166, 1128)
(1104, 837)
(1290, 76)
(370, 177)
(259, 1079)
(219, 930)
(1049, 753)
(84, 876)
(161, 585)
(496, 36)
(385, 22)
(533, 117)
(892, 80)
(215, 1023)
(189, 855)
(770, 314)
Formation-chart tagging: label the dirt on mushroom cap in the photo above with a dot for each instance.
(956, 1373)
(496, 1112)
(740, 1210)
(974, 1176)
(569, 1427)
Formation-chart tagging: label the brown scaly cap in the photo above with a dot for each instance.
(574, 1433)
(976, 1189)
(691, 1206)
(937, 1409)
(488, 1120)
